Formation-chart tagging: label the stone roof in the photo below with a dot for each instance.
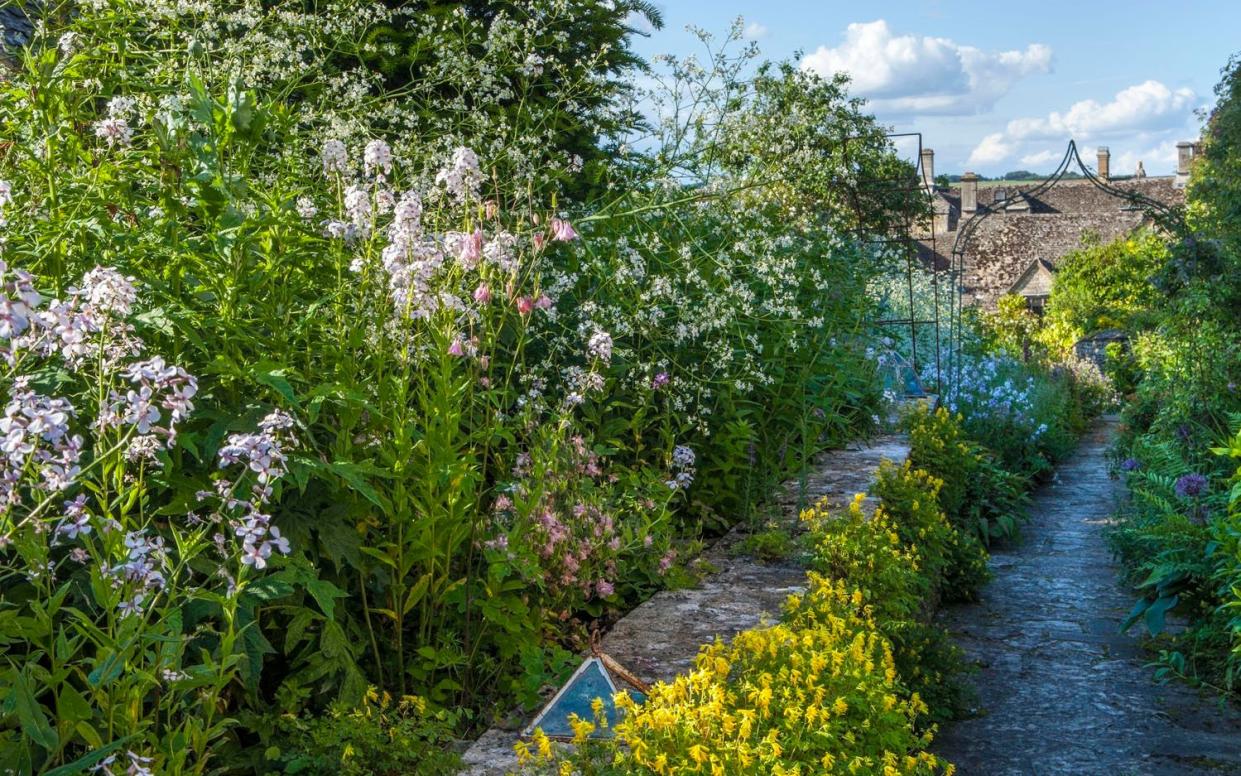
(1009, 240)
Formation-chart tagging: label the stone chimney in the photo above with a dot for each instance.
(1184, 157)
(928, 169)
(969, 193)
(1105, 162)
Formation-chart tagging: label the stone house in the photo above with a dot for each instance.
(1019, 235)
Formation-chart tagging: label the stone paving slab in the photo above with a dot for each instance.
(661, 637)
(1062, 690)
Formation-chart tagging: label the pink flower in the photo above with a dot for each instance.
(482, 294)
(471, 249)
(544, 302)
(455, 349)
(525, 305)
(605, 588)
(538, 242)
(665, 562)
(562, 230)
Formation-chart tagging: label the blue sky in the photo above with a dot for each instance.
(1001, 85)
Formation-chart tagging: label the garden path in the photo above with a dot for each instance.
(1062, 690)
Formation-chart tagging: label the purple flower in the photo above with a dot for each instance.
(1131, 465)
(1191, 485)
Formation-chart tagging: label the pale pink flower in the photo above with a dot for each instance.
(482, 294)
(562, 230)
(525, 305)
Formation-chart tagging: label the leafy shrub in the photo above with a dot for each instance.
(378, 737)
(900, 558)
(1177, 534)
(505, 424)
(1103, 286)
(818, 693)
(978, 495)
(1228, 561)
(122, 609)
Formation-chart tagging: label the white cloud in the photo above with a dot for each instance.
(1146, 106)
(992, 149)
(639, 23)
(754, 31)
(1042, 158)
(1154, 159)
(1141, 122)
(912, 74)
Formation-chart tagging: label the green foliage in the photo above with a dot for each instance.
(525, 445)
(1104, 286)
(1227, 532)
(1012, 325)
(377, 737)
(1184, 368)
(979, 496)
(770, 545)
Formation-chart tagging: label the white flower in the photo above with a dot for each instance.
(306, 208)
(335, 157)
(461, 177)
(600, 346)
(358, 206)
(119, 107)
(377, 157)
(115, 131)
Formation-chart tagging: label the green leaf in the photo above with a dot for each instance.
(30, 714)
(1155, 614)
(273, 376)
(82, 764)
(416, 593)
(353, 475)
(325, 594)
(268, 588)
(106, 670)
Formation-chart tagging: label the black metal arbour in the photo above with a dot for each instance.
(906, 190)
(1170, 217)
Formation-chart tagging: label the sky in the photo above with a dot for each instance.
(1002, 85)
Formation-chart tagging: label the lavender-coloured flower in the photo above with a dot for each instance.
(683, 457)
(1191, 485)
(461, 177)
(1131, 465)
